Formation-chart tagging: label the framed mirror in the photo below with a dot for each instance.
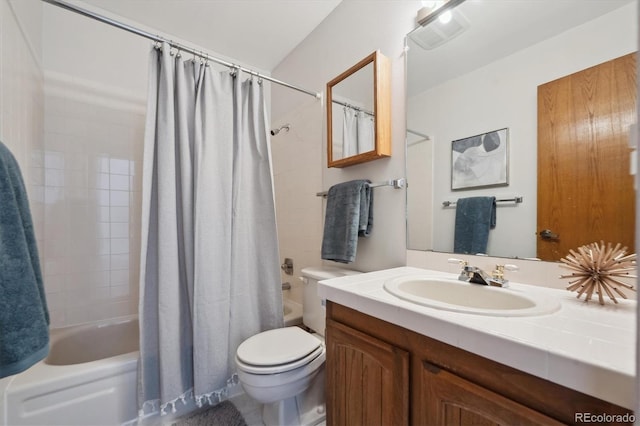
(359, 113)
(490, 77)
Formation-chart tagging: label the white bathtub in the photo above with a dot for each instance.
(89, 378)
(292, 312)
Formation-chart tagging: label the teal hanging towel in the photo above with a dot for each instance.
(24, 317)
(475, 217)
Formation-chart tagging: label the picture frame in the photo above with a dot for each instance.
(480, 161)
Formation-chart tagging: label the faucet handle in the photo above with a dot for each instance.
(464, 274)
(498, 273)
(508, 267)
(460, 262)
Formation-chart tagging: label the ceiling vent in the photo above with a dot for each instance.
(437, 33)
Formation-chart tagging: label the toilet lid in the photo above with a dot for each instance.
(277, 346)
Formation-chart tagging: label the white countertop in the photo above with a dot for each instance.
(583, 346)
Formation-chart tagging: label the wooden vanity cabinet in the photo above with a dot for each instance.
(382, 374)
(368, 378)
(447, 399)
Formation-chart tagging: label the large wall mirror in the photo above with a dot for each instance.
(359, 113)
(487, 81)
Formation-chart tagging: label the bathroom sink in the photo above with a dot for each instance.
(460, 296)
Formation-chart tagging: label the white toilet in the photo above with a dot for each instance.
(284, 368)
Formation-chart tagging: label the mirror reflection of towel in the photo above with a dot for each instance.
(349, 214)
(24, 318)
(475, 217)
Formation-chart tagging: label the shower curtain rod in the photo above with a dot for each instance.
(157, 38)
(344, 104)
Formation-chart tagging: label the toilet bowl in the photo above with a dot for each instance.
(283, 369)
(277, 368)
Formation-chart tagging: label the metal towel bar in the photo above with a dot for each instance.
(396, 183)
(516, 200)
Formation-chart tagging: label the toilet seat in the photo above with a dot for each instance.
(281, 368)
(278, 350)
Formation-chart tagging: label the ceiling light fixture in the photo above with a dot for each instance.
(433, 10)
(445, 17)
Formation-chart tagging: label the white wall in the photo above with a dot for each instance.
(420, 193)
(351, 32)
(456, 109)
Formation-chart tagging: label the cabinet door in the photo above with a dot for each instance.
(447, 399)
(367, 379)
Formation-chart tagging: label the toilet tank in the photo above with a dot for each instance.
(313, 309)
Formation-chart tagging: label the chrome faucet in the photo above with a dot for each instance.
(475, 275)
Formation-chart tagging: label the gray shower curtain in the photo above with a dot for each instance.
(209, 269)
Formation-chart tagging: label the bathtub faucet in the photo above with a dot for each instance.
(286, 286)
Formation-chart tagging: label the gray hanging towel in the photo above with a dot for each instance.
(24, 317)
(349, 214)
(475, 216)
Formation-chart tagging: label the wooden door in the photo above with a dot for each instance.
(585, 190)
(449, 400)
(367, 380)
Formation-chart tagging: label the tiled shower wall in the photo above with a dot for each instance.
(297, 179)
(92, 195)
(79, 145)
(95, 90)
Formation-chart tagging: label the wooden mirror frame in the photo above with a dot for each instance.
(382, 111)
